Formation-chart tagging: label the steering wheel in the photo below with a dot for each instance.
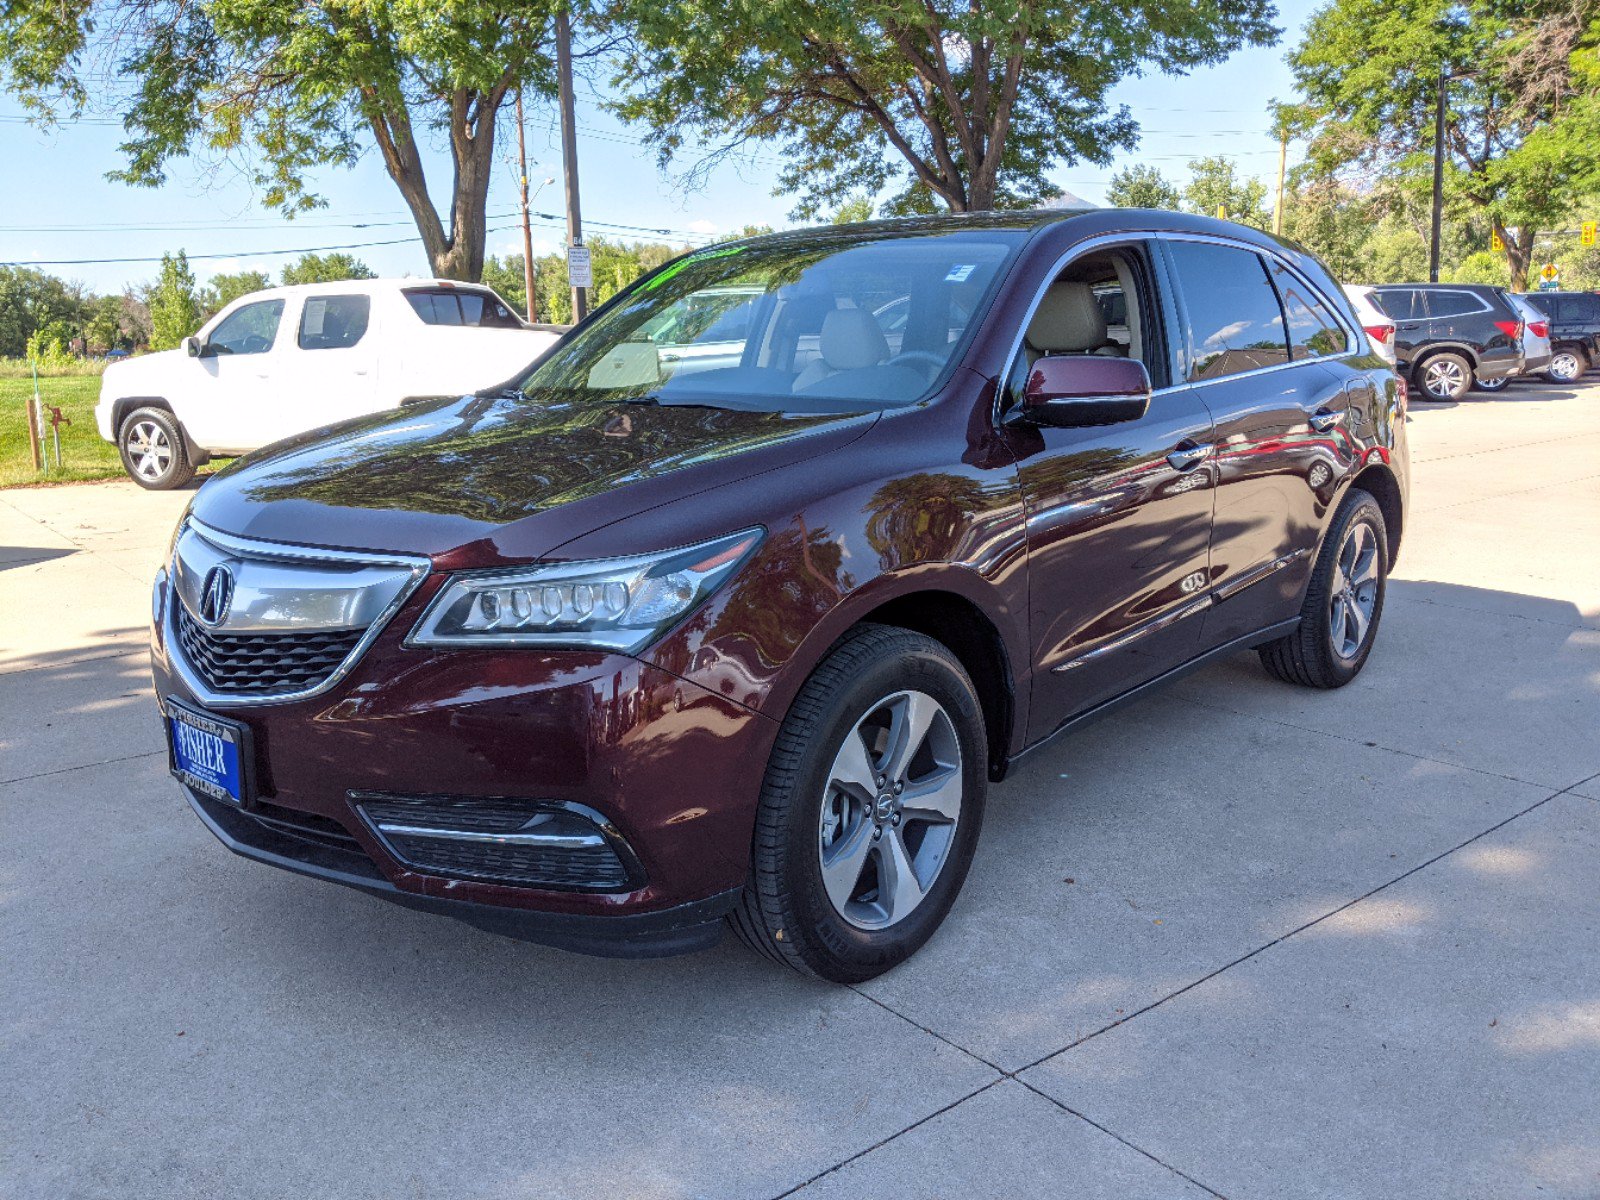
(929, 363)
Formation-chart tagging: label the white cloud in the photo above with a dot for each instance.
(702, 226)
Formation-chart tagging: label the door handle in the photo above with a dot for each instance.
(1188, 455)
(1325, 419)
(670, 357)
(361, 370)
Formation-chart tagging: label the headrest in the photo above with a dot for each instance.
(1068, 320)
(852, 339)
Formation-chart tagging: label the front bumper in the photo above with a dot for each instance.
(675, 770)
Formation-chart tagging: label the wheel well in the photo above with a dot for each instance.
(121, 408)
(1447, 348)
(963, 629)
(1380, 483)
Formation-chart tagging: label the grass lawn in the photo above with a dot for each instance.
(83, 454)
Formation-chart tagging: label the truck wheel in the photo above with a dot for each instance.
(870, 810)
(1568, 365)
(153, 450)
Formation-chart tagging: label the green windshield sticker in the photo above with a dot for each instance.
(703, 256)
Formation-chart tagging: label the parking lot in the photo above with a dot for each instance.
(1242, 940)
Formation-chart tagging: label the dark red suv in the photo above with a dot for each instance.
(733, 607)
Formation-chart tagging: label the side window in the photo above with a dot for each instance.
(1582, 308)
(1235, 324)
(333, 322)
(1453, 304)
(453, 306)
(1401, 304)
(248, 330)
(1312, 330)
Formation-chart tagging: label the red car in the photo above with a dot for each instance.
(617, 653)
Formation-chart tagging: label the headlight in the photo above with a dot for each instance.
(616, 604)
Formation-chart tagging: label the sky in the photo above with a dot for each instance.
(56, 203)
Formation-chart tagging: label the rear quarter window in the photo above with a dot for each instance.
(461, 306)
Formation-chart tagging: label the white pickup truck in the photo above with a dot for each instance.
(289, 359)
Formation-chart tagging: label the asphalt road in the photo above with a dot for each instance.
(1242, 940)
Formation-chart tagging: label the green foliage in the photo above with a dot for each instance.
(174, 304)
(30, 300)
(1522, 135)
(225, 289)
(853, 212)
(968, 104)
(280, 91)
(1481, 266)
(325, 268)
(47, 349)
(83, 454)
(1215, 186)
(1140, 186)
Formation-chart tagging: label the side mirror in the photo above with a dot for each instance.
(192, 346)
(1086, 390)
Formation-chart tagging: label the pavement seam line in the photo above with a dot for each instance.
(1503, 448)
(1488, 612)
(1117, 1136)
(81, 767)
(842, 1163)
(9, 669)
(1333, 912)
(1012, 1075)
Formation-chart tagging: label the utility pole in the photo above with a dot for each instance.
(1438, 177)
(1283, 166)
(532, 304)
(569, 153)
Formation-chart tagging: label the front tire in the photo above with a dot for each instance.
(1567, 366)
(870, 810)
(154, 452)
(1444, 376)
(1343, 605)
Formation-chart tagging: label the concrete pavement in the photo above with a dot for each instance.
(1241, 940)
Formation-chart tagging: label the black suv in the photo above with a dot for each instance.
(1450, 336)
(1574, 332)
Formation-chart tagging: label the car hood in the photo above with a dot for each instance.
(142, 366)
(484, 481)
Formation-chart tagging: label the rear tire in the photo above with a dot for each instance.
(849, 879)
(1343, 605)
(1492, 385)
(154, 452)
(1569, 365)
(1444, 376)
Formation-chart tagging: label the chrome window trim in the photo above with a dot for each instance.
(419, 566)
(1354, 340)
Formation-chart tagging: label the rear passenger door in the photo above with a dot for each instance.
(331, 366)
(1255, 334)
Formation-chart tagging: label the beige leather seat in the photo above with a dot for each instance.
(851, 339)
(1068, 321)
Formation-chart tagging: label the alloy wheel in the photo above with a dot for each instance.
(1564, 366)
(890, 811)
(1444, 378)
(149, 449)
(1354, 594)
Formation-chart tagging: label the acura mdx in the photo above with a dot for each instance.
(648, 641)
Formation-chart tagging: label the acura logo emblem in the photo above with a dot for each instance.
(216, 595)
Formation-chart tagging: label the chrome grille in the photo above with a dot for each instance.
(263, 664)
(254, 622)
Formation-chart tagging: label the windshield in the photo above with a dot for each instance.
(825, 324)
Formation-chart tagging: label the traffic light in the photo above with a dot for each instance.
(1587, 236)
(1496, 242)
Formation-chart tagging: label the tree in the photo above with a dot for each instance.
(30, 300)
(326, 268)
(616, 264)
(225, 289)
(103, 331)
(1334, 222)
(853, 211)
(1522, 124)
(174, 306)
(965, 103)
(1140, 186)
(282, 89)
(1215, 186)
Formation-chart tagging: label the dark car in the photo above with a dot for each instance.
(1574, 332)
(1450, 336)
(611, 655)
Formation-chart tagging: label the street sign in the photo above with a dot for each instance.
(1586, 236)
(1496, 242)
(580, 269)
(1551, 273)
